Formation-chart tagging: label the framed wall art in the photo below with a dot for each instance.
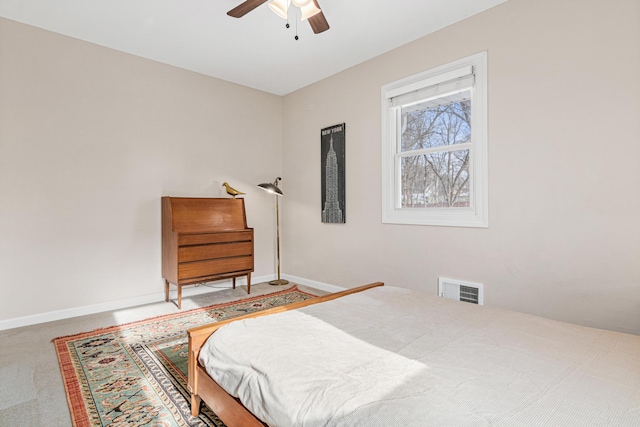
(332, 154)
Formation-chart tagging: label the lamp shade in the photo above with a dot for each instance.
(271, 188)
(308, 10)
(301, 3)
(280, 7)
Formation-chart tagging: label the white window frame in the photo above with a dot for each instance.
(476, 215)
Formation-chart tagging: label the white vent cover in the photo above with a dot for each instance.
(461, 291)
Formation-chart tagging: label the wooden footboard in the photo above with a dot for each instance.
(203, 388)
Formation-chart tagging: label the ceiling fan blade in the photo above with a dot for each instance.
(318, 22)
(244, 8)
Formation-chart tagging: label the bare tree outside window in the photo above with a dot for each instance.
(434, 152)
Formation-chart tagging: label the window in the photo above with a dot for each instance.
(434, 146)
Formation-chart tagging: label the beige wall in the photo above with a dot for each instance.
(564, 124)
(90, 139)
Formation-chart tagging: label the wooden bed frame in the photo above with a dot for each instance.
(203, 388)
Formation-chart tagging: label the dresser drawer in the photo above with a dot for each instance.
(204, 238)
(213, 251)
(214, 267)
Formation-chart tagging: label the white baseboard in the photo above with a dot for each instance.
(313, 284)
(120, 304)
(148, 299)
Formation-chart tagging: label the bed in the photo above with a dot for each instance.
(384, 356)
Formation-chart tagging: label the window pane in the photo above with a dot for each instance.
(435, 180)
(439, 122)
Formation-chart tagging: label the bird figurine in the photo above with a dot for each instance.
(231, 191)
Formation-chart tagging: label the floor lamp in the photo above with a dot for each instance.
(273, 189)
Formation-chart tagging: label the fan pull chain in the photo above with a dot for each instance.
(287, 26)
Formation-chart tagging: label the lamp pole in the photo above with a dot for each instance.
(278, 281)
(273, 189)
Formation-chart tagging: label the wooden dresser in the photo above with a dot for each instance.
(204, 239)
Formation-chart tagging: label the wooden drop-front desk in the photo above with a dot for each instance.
(204, 239)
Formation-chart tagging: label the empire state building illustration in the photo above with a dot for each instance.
(331, 211)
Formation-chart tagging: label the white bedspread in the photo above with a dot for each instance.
(392, 357)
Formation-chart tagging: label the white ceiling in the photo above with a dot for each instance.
(256, 50)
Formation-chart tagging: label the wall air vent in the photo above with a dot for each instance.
(461, 291)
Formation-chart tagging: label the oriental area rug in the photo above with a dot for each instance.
(136, 374)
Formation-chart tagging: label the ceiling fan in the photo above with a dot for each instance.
(310, 11)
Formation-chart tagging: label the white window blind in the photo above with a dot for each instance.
(436, 87)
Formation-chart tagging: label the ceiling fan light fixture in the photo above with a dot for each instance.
(308, 10)
(280, 7)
